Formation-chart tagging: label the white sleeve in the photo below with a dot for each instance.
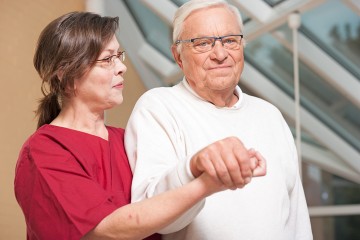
(155, 149)
(299, 220)
(299, 214)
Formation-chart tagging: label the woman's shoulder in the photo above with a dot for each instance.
(116, 135)
(41, 136)
(44, 140)
(116, 130)
(41, 147)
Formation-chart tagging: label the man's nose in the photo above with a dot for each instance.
(219, 52)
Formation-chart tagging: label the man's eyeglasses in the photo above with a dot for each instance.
(205, 44)
(110, 61)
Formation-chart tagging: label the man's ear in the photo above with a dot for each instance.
(176, 55)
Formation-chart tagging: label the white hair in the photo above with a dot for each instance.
(186, 9)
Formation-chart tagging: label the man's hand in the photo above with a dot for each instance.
(229, 162)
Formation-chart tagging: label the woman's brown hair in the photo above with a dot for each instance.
(66, 50)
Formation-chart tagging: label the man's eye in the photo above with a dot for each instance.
(229, 40)
(202, 42)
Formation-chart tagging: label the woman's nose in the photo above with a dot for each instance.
(120, 67)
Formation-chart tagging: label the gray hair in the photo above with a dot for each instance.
(186, 9)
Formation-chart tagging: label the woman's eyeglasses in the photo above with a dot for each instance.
(110, 61)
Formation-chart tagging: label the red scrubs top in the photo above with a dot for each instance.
(67, 181)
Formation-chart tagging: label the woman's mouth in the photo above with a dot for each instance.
(119, 85)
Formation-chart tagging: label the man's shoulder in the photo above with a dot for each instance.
(159, 95)
(156, 92)
(161, 91)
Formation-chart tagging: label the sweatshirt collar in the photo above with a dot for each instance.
(237, 92)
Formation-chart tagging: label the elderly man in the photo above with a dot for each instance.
(207, 111)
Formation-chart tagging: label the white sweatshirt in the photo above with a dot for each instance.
(169, 125)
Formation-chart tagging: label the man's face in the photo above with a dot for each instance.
(217, 71)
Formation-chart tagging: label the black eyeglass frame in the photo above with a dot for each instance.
(177, 42)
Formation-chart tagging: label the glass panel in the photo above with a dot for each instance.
(336, 228)
(336, 29)
(318, 97)
(156, 32)
(179, 2)
(325, 189)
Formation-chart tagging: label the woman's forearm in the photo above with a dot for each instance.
(141, 219)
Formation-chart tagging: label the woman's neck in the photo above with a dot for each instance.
(82, 119)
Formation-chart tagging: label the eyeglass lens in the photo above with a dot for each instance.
(207, 43)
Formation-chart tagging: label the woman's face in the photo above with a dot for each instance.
(101, 87)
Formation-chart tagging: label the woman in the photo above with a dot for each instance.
(72, 177)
